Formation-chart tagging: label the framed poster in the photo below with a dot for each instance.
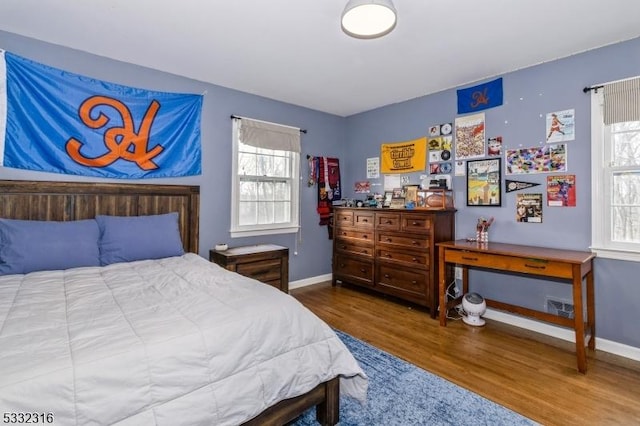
(484, 179)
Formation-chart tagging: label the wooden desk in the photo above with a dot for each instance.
(569, 265)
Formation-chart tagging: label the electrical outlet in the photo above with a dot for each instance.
(458, 273)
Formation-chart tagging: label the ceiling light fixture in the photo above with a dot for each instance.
(368, 18)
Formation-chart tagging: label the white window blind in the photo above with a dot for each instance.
(615, 128)
(266, 175)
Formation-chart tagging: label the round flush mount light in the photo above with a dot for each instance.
(368, 19)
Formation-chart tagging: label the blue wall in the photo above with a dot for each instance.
(325, 136)
(529, 94)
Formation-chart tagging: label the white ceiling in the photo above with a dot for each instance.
(294, 50)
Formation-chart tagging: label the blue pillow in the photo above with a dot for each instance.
(37, 245)
(129, 238)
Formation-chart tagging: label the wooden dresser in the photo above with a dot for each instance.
(392, 251)
(268, 263)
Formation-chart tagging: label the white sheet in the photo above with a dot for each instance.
(162, 342)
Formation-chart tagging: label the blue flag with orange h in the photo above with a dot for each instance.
(482, 96)
(56, 121)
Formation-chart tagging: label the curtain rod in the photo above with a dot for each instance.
(240, 118)
(588, 89)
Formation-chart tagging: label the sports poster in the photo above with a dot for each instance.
(561, 126)
(529, 208)
(561, 191)
(470, 141)
(539, 159)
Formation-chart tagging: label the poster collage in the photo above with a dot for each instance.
(463, 148)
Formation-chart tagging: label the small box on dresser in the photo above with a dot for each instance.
(268, 263)
(392, 251)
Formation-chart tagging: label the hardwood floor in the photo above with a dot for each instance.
(527, 372)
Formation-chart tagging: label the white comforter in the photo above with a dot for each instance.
(173, 341)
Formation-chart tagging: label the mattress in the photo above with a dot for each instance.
(170, 341)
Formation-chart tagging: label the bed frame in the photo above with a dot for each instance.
(64, 201)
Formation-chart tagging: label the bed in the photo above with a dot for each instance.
(171, 339)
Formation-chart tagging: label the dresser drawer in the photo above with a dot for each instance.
(416, 242)
(410, 259)
(364, 235)
(415, 223)
(388, 221)
(363, 219)
(346, 246)
(356, 270)
(343, 218)
(509, 263)
(401, 279)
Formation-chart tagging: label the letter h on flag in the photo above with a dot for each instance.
(482, 96)
(56, 121)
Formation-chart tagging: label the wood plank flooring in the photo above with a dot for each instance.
(527, 372)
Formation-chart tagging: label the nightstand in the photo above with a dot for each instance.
(268, 263)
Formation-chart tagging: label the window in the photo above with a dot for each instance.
(266, 169)
(615, 162)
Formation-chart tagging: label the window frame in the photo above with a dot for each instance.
(602, 173)
(237, 230)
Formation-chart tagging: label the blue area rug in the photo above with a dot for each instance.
(402, 394)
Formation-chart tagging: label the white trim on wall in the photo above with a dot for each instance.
(604, 345)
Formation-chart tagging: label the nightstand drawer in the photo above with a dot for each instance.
(263, 270)
(267, 263)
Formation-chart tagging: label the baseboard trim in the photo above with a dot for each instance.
(518, 321)
(310, 281)
(562, 333)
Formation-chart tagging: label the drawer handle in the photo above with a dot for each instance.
(344, 233)
(475, 259)
(342, 265)
(414, 223)
(387, 276)
(388, 255)
(343, 247)
(365, 251)
(534, 266)
(414, 282)
(363, 270)
(345, 218)
(414, 259)
(389, 240)
(365, 220)
(415, 243)
(388, 222)
(364, 236)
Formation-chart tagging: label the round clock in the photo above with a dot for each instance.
(445, 168)
(445, 129)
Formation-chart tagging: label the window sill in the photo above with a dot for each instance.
(257, 232)
(607, 253)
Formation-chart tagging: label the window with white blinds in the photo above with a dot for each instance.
(615, 164)
(265, 184)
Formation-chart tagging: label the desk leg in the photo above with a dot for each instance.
(578, 319)
(442, 288)
(591, 310)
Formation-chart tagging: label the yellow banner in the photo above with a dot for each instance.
(403, 157)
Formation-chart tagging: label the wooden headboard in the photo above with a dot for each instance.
(63, 201)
